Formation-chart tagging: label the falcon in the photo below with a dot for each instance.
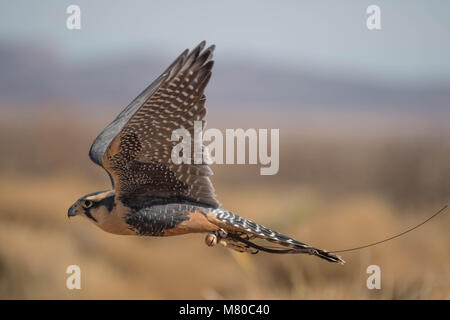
(153, 196)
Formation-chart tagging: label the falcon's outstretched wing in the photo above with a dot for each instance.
(135, 149)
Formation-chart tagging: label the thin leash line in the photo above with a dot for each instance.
(260, 248)
(393, 237)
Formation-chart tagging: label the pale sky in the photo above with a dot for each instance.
(413, 43)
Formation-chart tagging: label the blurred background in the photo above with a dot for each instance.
(364, 145)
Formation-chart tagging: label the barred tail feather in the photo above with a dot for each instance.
(328, 256)
(242, 232)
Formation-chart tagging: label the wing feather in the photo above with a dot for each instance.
(104, 139)
(135, 149)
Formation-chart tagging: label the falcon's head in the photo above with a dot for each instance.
(94, 206)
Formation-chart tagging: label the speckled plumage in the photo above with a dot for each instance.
(151, 195)
(139, 157)
(153, 220)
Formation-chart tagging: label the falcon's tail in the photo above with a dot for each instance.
(242, 234)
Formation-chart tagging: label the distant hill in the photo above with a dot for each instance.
(30, 73)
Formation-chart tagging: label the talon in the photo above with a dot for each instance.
(211, 240)
(223, 243)
(222, 233)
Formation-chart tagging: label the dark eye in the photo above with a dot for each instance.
(86, 204)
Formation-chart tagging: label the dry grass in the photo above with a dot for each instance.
(349, 194)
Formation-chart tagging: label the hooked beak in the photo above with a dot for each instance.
(72, 211)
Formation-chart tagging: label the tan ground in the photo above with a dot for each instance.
(336, 193)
